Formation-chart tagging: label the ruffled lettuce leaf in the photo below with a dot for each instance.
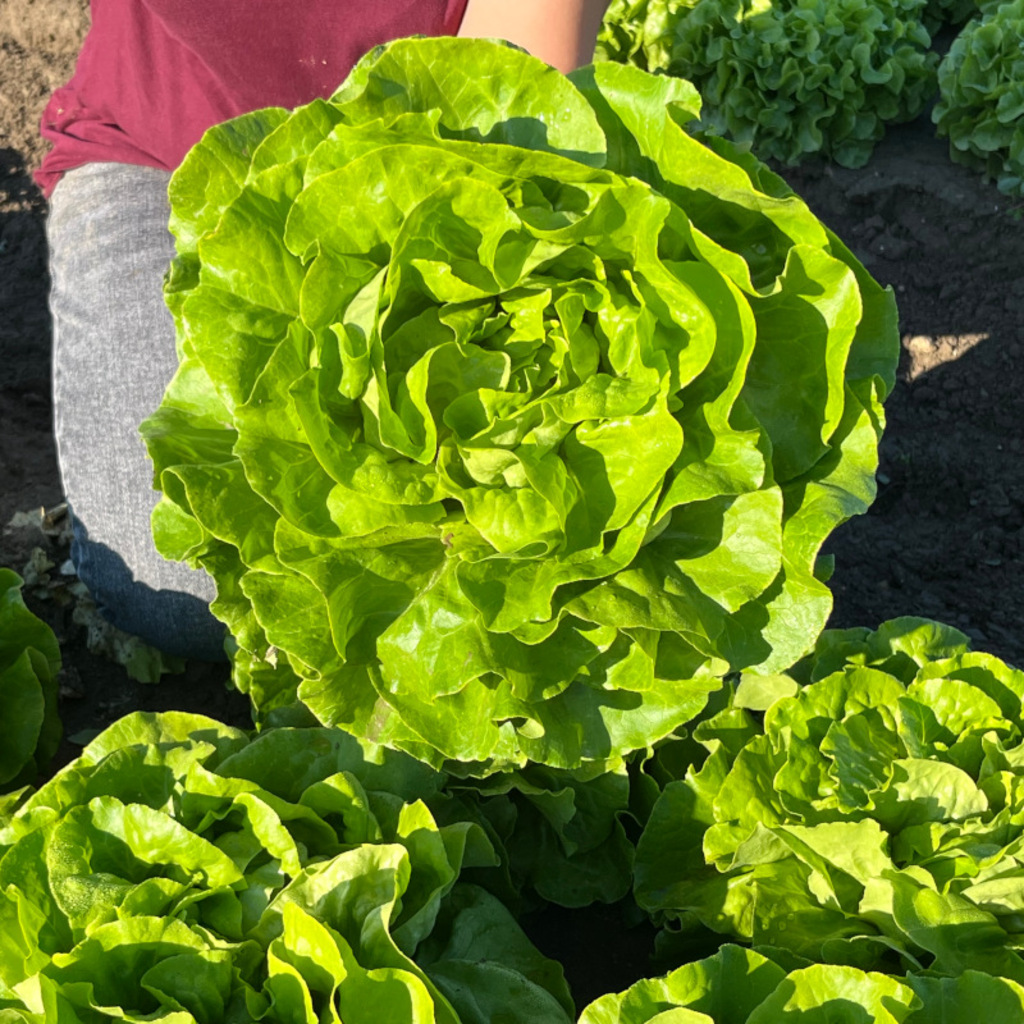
(743, 986)
(980, 108)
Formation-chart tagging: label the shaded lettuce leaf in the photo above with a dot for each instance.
(980, 108)
(950, 12)
(562, 836)
(29, 663)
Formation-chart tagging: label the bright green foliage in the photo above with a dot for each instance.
(741, 986)
(510, 417)
(874, 818)
(179, 872)
(29, 663)
(981, 96)
(789, 77)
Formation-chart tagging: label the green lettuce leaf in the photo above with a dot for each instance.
(743, 986)
(29, 663)
(980, 108)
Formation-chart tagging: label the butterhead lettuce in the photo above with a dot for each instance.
(864, 810)
(510, 418)
(180, 871)
(980, 108)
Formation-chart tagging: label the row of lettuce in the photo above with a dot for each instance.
(794, 78)
(512, 415)
(855, 823)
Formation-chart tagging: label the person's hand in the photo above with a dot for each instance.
(560, 32)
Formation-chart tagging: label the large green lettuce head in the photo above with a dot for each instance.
(741, 986)
(981, 96)
(29, 663)
(866, 810)
(179, 871)
(790, 77)
(510, 417)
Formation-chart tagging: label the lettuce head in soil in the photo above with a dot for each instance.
(981, 96)
(29, 663)
(181, 871)
(788, 77)
(510, 417)
(866, 809)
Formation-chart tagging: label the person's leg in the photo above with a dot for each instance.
(113, 355)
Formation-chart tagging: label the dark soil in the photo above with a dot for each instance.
(943, 540)
(944, 537)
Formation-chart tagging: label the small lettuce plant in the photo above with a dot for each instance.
(981, 96)
(510, 417)
(864, 810)
(789, 78)
(29, 663)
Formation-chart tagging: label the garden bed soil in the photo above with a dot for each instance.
(944, 538)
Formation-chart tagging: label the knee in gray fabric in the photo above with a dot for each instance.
(173, 622)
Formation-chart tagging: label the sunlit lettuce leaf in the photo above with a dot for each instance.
(510, 417)
(743, 986)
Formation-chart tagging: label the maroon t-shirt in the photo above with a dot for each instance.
(153, 75)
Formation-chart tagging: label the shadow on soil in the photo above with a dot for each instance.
(24, 277)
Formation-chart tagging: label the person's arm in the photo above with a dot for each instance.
(560, 32)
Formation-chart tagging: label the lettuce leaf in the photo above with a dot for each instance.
(980, 108)
(29, 663)
(743, 986)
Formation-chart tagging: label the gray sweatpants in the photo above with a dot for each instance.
(113, 355)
